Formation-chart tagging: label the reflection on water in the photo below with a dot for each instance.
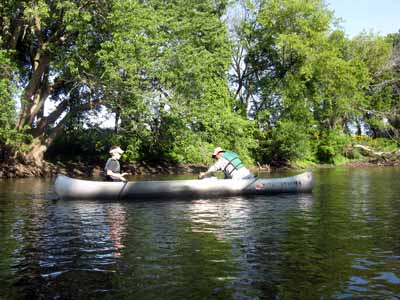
(341, 242)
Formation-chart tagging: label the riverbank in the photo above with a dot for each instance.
(13, 169)
(16, 169)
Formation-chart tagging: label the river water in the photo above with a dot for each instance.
(340, 242)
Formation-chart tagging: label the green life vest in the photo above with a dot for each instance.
(234, 161)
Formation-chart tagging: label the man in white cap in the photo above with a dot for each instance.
(112, 167)
(229, 163)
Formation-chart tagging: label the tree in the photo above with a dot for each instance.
(299, 71)
(381, 57)
(10, 138)
(54, 45)
(241, 25)
(169, 61)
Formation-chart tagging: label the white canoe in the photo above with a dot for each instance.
(70, 188)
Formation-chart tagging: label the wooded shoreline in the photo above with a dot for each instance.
(277, 82)
(13, 169)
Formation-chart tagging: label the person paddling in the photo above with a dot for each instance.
(229, 163)
(112, 167)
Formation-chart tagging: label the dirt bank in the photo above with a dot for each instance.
(13, 169)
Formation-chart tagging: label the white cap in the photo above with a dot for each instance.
(116, 150)
(217, 150)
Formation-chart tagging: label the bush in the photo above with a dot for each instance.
(331, 148)
(11, 140)
(288, 141)
(82, 144)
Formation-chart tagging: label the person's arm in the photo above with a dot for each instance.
(114, 175)
(214, 168)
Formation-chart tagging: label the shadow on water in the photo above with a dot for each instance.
(341, 242)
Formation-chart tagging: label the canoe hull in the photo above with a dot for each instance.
(70, 188)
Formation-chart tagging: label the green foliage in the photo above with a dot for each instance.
(288, 141)
(168, 62)
(332, 145)
(89, 145)
(308, 63)
(52, 46)
(380, 56)
(11, 140)
(161, 68)
(303, 71)
(378, 144)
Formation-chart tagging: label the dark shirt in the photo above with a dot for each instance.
(112, 165)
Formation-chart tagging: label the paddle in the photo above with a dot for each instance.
(123, 187)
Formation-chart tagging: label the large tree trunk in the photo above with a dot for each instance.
(36, 154)
(40, 144)
(35, 93)
(45, 136)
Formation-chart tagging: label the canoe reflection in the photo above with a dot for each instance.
(231, 216)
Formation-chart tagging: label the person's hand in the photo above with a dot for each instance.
(122, 178)
(202, 174)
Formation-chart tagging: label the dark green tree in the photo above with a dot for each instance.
(169, 62)
(381, 56)
(11, 140)
(300, 75)
(53, 45)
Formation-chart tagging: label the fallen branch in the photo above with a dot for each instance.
(380, 157)
(369, 151)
